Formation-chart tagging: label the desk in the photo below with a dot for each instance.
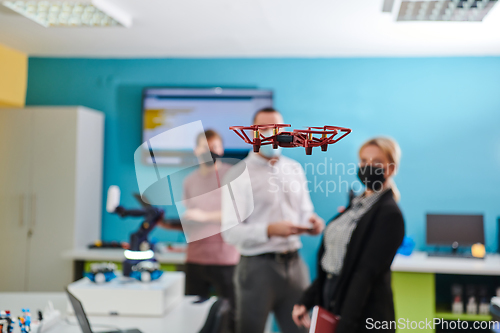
(171, 260)
(414, 284)
(419, 262)
(184, 318)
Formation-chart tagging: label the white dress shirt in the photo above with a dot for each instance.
(279, 192)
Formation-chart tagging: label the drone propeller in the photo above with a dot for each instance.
(258, 139)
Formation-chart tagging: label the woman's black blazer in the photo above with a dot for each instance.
(363, 289)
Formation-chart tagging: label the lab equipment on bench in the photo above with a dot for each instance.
(141, 250)
(457, 307)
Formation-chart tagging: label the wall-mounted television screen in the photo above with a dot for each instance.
(217, 108)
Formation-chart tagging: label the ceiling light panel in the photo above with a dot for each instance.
(62, 13)
(445, 10)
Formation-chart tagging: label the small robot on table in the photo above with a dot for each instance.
(101, 272)
(6, 322)
(140, 262)
(25, 321)
(306, 138)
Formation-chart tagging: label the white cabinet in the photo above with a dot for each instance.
(50, 193)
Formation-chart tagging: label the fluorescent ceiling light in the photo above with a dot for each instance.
(442, 10)
(113, 11)
(70, 13)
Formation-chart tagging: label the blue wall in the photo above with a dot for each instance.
(445, 113)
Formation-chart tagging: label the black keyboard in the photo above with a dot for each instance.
(452, 255)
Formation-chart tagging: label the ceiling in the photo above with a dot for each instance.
(255, 28)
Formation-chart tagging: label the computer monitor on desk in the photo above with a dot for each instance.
(454, 231)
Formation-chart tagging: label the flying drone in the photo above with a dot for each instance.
(307, 138)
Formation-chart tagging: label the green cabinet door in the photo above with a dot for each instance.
(414, 300)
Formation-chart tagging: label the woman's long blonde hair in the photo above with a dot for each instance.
(392, 151)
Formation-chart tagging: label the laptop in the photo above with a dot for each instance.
(83, 320)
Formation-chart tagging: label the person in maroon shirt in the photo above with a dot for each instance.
(210, 261)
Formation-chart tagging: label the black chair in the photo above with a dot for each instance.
(217, 318)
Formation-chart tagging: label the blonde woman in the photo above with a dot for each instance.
(354, 260)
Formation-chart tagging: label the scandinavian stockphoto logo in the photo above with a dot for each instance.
(163, 165)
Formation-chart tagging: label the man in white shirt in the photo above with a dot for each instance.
(270, 276)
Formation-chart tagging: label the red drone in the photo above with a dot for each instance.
(298, 138)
